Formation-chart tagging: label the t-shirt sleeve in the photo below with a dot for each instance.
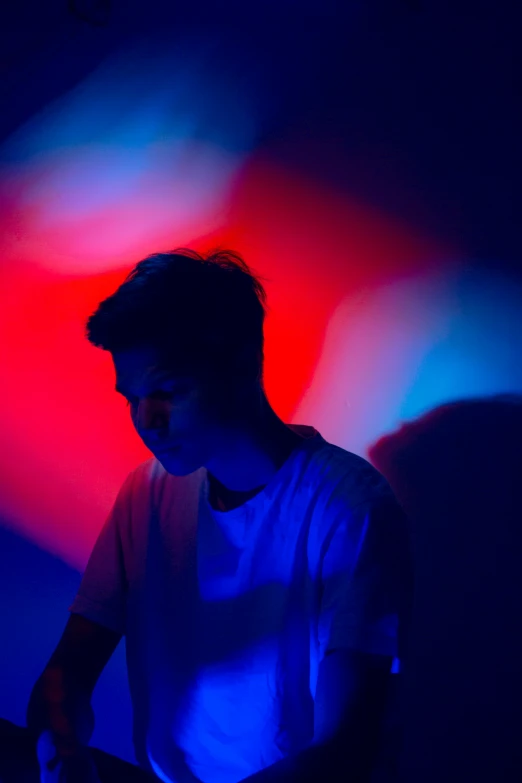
(366, 579)
(102, 593)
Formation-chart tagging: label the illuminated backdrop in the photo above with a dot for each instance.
(375, 317)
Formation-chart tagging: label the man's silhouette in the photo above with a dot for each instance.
(257, 571)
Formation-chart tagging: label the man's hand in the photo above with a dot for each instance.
(79, 767)
(349, 704)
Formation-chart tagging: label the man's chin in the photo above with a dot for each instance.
(176, 465)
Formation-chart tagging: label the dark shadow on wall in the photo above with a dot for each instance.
(35, 591)
(458, 473)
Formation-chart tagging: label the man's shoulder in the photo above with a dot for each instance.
(346, 475)
(150, 479)
(148, 471)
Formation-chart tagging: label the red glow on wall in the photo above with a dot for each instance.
(68, 443)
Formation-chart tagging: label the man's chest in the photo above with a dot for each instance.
(224, 592)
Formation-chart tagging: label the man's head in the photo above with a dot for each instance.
(185, 332)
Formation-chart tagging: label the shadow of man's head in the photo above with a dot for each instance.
(462, 460)
(457, 471)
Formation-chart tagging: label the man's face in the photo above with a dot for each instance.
(170, 412)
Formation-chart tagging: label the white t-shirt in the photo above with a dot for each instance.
(227, 615)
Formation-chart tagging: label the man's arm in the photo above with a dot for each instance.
(351, 695)
(60, 700)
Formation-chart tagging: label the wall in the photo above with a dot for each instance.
(366, 161)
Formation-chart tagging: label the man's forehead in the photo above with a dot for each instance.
(140, 366)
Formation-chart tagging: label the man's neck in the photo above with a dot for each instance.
(223, 499)
(251, 456)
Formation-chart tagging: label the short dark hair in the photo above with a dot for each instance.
(204, 313)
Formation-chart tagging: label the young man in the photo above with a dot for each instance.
(257, 571)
